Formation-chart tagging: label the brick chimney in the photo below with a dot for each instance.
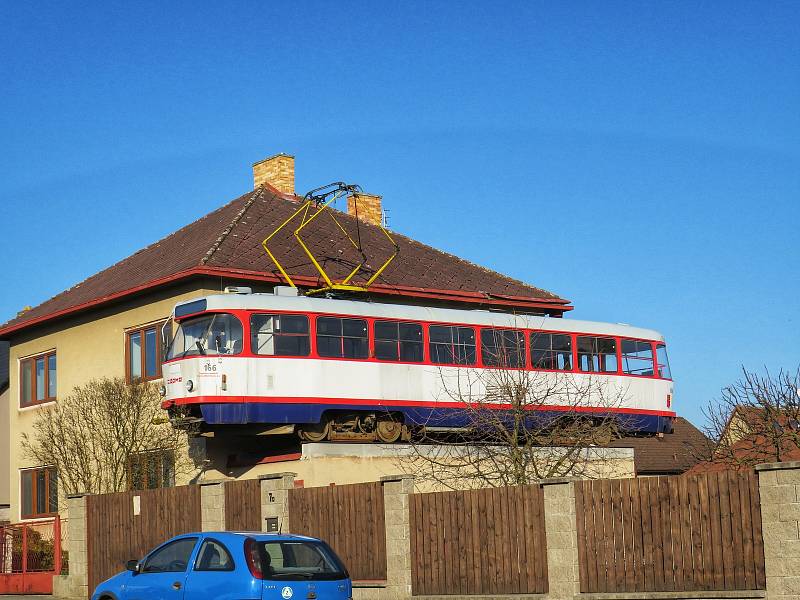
(369, 207)
(277, 170)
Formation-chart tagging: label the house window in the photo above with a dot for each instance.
(38, 379)
(503, 348)
(280, 335)
(551, 351)
(39, 492)
(597, 355)
(637, 357)
(451, 345)
(395, 340)
(143, 353)
(151, 470)
(342, 338)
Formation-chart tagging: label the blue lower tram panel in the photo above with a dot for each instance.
(275, 413)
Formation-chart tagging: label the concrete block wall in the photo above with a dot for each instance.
(779, 487)
(275, 499)
(76, 584)
(561, 533)
(212, 505)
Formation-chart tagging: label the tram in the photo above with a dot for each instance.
(331, 369)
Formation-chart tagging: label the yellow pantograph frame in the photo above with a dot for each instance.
(345, 284)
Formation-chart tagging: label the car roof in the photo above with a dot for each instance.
(257, 535)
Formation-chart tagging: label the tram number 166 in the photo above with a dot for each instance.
(209, 368)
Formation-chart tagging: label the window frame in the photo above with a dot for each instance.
(596, 338)
(199, 555)
(342, 337)
(33, 359)
(144, 458)
(657, 363)
(310, 334)
(475, 344)
(622, 341)
(50, 473)
(519, 333)
(573, 349)
(399, 341)
(141, 330)
(149, 557)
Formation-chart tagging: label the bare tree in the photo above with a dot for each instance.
(519, 427)
(755, 420)
(92, 436)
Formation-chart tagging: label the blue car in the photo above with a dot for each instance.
(233, 566)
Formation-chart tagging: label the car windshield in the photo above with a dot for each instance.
(299, 561)
(207, 334)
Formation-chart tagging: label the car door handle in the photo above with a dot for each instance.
(176, 585)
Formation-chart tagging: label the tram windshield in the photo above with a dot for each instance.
(207, 334)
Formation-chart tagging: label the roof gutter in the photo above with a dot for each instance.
(556, 305)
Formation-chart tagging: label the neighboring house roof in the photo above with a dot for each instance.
(673, 453)
(4, 366)
(227, 242)
(751, 443)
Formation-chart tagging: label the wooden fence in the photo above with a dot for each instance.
(489, 541)
(670, 533)
(243, 505)
(115, 534)
(350, 518)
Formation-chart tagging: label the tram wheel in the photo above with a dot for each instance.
(316, 433)
(388, 431)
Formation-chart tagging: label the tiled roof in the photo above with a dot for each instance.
(671, 454)
(228, 242)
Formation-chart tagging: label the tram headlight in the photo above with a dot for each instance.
(162, 390)
(189, 385)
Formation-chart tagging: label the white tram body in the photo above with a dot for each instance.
(294, 360)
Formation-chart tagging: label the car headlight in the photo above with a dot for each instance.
(189, 385)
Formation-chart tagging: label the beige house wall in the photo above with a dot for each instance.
(4, 442)
(86, 348)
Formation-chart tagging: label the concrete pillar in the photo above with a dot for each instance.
(212, 505)
(76, 584)
(779, 487)
(275, 500)
(396, 491)
(561, 532)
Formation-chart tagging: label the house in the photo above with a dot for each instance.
(753, 435)
(107, 325)
(4, 434)
(667, 454)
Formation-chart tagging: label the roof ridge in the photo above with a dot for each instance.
(238, 217)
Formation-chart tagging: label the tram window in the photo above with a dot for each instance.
(503, 348)
(208, 334)
(342, 338)
(663, 362)
(597, 355)
(637, 357)
(280, 335)
(450, 345)
(551, 351)
(395, 340)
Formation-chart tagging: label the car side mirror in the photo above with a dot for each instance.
(132, 566)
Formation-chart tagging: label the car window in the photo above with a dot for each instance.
(301, 560)
(213, 556)
(170, 558)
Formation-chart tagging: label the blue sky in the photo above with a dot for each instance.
(638, 158)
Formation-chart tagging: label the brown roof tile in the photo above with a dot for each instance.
(228, 240)
(673, 453)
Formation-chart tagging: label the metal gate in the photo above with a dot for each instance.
(30, 556)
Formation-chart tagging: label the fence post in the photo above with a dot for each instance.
(275, 500)
(561, 533)
(76, 583)
(779, 488)
(212, 505)
(396, 491)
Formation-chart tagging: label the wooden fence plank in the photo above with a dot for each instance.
(758, 540)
